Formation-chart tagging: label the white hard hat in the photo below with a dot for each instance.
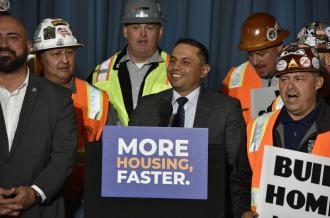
(53, 33)
(4, 5)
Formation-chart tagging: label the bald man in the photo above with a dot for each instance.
(37, 132)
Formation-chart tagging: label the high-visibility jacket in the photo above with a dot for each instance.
(277, 103)
(259, 134)
(105, 77)
(239, 82)
(91, 107)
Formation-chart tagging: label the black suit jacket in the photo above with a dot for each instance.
(222, 115)
(43, 148)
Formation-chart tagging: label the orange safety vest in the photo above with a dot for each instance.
(91, 107)
(259, 134)
(239, 82)
(277, 103)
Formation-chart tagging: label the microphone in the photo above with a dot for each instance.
(165, 113)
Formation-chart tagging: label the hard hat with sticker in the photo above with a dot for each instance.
(317, 35)
(259, 31)
(53, 33)
(297, 57)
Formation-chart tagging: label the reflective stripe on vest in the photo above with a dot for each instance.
(277, 104)
(246, 80)
(258, 131)
(91, 106)
(95, 103)
(103, 70)
(106, 79)
(236, 79)
(254, 196)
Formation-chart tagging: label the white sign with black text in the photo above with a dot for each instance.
(293, 184)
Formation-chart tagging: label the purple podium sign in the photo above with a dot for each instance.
(154, 162)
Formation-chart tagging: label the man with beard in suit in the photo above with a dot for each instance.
(37, 132)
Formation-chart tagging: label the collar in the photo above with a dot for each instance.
(71, 85)
(192, 96)
(155, 58)
(21, 86)
(307, 121)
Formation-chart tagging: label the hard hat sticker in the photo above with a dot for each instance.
(316, 63)
(142, 14)
(305, 62)
(327, 31)
(301, 33)
(63, 31)
(60, 42)
(292, 63)
(281, 65)
(59, 22)
(298, 52)
(49, 33)
(271, 34)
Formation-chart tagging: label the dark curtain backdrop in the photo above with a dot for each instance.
(216, 23)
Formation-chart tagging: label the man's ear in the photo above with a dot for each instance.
(161, 30)
(29, 45)
(125, 31)
(319, 82)
(205, 70)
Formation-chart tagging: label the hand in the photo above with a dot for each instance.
(8, 205)
(249, 214)
(25, 197)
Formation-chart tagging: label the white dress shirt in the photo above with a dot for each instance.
(11, 104)
(189, 107)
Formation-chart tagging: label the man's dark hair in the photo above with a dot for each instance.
(202, 49)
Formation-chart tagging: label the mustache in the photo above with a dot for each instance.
(259, 66)
(8, 50)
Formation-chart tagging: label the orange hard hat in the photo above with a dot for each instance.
(259, 31)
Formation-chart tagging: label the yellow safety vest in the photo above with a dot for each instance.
(105, 77)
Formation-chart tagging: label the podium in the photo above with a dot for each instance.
(215, 206)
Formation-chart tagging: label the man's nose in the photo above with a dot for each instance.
(3, 42)
(143, 31)
(254, 60)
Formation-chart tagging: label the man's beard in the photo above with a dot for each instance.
(7, 65)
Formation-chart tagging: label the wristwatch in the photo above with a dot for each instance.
(37, 197)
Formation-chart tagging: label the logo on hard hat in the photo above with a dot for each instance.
(327, 31)
(58, 22)
(292, 64)
(305, 62)
(292, 52)
(140, 11)
(36, 37)
(281, 65)
(271, 34)
(316, 63)
(60, 42)
(63, 32)
(49, 33)
(4, 5)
